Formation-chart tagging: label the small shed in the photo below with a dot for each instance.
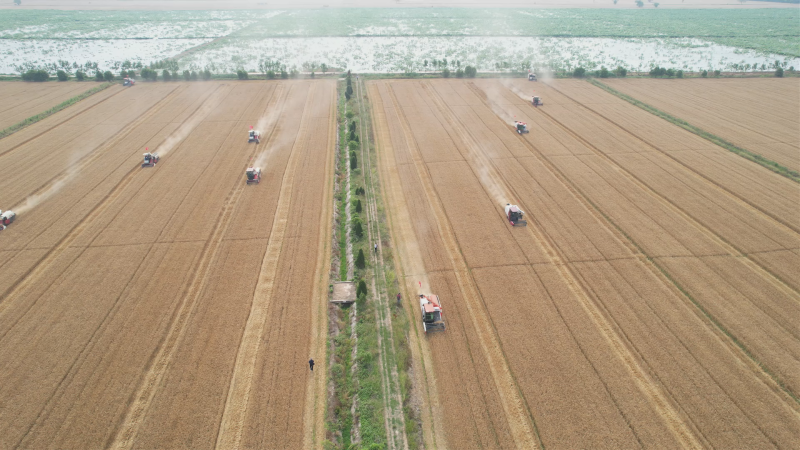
(343, 292)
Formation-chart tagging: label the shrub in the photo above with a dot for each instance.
(206, 74)
(62, 76)
(360, 262)
(175, 75)
(284, 74)
(446, 72)
(603, 72)
(80, 75)
(241, 74)
(679, 74)
(270, 75)
(353, 161)
(621, 72)
(704, 74)
(187, 75)
(348, 92)
(639, 3)
(108, 76)
(352, 145)
(716, 73)
(470, 72)
(312, 74)
(579, 72)
(361, 288)
(36, 75)
(166, 75)
(193, 76)
(779, 72)
(358, 229)
(358, 205)
(98, 76)
(459, 73)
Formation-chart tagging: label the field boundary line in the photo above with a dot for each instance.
(44, 262)
(605, 324)
(518, 417)
(61, 106)
(657, 270)
(728, 247)
(399, 225)
(231, 429)
(393, 414)
(714, 139)
(316, 389)
(149, 383)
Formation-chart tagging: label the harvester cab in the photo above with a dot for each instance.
(128, 82)
(521, 127)
(431, 312)
(150, 159)
(6, 217)
(254, 136)
(514, 215)
(537, 101)
(531, 76)
(253, 175)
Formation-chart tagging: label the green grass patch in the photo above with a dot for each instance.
(43, 115)
(744, 153)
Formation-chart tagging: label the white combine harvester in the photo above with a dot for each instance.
(6, 217)
(431, 312)
(521, 127)
(531, 76)
(537, 101)
(128, 81)
(150, 159)
(254, 136)
(253, 175)
(514, 215)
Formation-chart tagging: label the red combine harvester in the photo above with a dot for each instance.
(6, 217)
(521, 127)
(537, 101)
(150, 159)
(254, 136)
(253, 175)
(431, 312)
(514, 215)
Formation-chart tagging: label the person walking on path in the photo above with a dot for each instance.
(398, 298)
(376, 249)
(311, 364)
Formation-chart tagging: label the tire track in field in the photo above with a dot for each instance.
(713, 184)
(400, 228)
(50, 256)
(518, 416)
(728, 247)
(652, 265)
(126, 433)
(606, 325)
(235, 411)
(56, 125)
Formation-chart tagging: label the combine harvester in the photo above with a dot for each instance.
(150, 159)
(6, 217)
(253, 175)
(521, 127)
(531, 76)
(514, 215)
(254, 136)
(431, 312)
(537, 101)
(128, 81)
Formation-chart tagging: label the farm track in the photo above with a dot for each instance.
(695, 370)
(163, 236)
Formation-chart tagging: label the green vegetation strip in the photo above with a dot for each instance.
(43, 115)
(756, 158)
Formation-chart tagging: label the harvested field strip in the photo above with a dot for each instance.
(520, 421)
(607, 329)
(790, 173)
(16, 108)
(677, 380)
(149, 385)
